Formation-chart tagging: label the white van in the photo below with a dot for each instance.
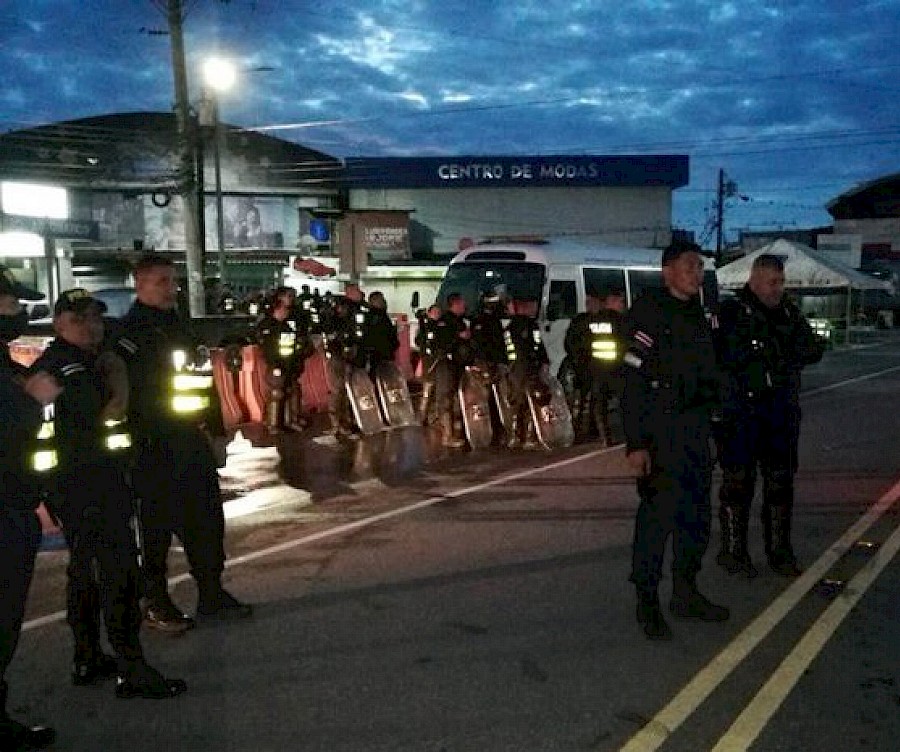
(560, 273)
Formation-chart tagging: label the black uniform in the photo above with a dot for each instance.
(175, 474)
(20, 532)
(285, 347)
(454, 353)
(381, 339)
(594, 345)
(430, 339)
(93, 502)
(671, 392)
(762, 351)
(527, 355)
(344, 327)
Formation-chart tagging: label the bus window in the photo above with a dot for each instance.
(601, 282)
(472, 280)
(641, 280)
(563, 303)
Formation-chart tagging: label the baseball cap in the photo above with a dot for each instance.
(678, 248)
(77, 300)
(9, 285)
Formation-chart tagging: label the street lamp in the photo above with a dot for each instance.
(219, 76)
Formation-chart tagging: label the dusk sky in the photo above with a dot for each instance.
(796, 100)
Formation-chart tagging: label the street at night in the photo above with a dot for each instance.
(410, 598)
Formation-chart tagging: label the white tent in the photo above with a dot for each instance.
(807, 273)
(804, 270)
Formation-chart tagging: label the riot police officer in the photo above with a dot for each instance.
(91, 499)
(671, 394)
(489, 350)
(454, 353)
(381, 340)
(344, 335)
(172, 415)
(527, 358)
(428, 340)
(284, 341)
(593, 343)
(764, 342)
(22, 401)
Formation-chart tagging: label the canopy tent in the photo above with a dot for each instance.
(805, 270)
(809, 273)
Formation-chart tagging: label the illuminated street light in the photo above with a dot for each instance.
(219, 76)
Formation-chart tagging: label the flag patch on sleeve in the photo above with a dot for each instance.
(645, 339)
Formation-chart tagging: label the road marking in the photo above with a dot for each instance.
(759, 712)
(847, 382)
(696, 691)
(363, 522)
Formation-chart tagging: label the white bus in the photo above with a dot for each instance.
(560, 273)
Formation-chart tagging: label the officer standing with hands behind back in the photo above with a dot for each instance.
(671, 396)
(22, 402)
(175, 473)
(92, 500)
(763, 344)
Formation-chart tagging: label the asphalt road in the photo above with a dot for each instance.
(477, 602)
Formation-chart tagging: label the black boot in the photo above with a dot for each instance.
(779, 551)
(164, 616)
(144, 681)
(217, 603)
(734, 556)
(689, 603)
(15, 736)
(89, 668)
(649, 616)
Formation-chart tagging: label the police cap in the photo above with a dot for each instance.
(77, 300)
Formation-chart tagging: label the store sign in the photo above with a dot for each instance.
(71, 229)
(508, 172)
(386, 239)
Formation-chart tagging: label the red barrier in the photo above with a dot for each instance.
(234, 410)
(403, 356)
(314, 384)
(252, 383)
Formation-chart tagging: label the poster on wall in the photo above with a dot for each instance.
(253, 222)
(164, 225)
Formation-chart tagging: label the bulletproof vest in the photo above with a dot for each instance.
(605, 348)
(191, 383)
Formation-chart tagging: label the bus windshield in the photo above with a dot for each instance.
(474, 279)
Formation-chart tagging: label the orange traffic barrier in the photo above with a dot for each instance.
(314, 383)
(403, 356)
(234, 411)
(252, 383)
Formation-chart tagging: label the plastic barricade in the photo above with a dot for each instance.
(252, 383)
(234, 410)
(403, 356)
(314, 383)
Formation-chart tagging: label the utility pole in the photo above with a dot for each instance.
(720, 214)
(187, 183)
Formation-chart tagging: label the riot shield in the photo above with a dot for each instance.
(394, 393)
(474, 402)
(364, 402)
(550, 413)
(500, 390)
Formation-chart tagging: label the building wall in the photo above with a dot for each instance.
(883, 233)
(440, 217)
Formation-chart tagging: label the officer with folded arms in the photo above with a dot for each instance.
(90, 497)
(22, 402)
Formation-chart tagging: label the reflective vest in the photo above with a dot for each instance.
(287, 342)
(192, 385)
(45, 457)
(510, 346)
(116, 437)
(603, 344)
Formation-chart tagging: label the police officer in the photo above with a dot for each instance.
(283, 340)
(454, 353)
(593, 342)
(527, 359)
(344, 323)
(22, 402)
(671, 394)
(489, 349)
(428, 340)
(381, 340)
(175, 475)
(92, 501)
(763, 344)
